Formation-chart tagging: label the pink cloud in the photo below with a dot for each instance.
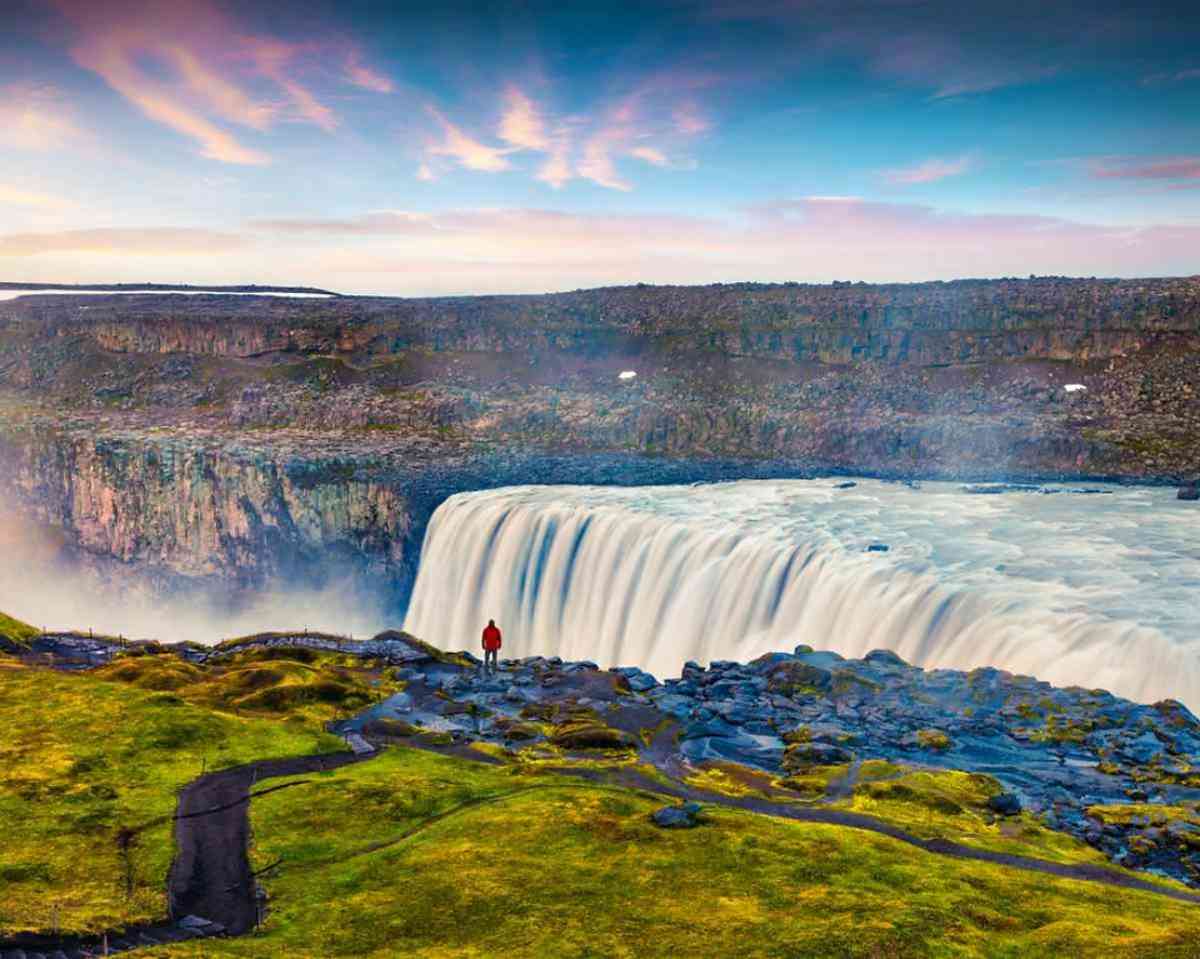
(467, 151)
(364, 76)
(191, 65)
(930, 171)
(1158, 168)
(651, 155)
(522, 124)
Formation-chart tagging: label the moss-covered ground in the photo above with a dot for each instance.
(423, 855)
(271, 682)
(84, 762)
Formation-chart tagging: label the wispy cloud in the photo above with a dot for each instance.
(468, 151)
(147, 242)
(1147, 168)
(192, 66)
(364, 76)
(522, 124)
(930, 171)
(588, 147)
(33, 117)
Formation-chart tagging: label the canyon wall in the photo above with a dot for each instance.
(240, 442)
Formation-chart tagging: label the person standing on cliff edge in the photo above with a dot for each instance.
(491, 646)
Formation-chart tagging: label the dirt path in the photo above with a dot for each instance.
(210, 876)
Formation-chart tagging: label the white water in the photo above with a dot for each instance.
(13, 294)
(1089, 590)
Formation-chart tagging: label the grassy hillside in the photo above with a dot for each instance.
(15, 630)
(499, 862)
(84, 762)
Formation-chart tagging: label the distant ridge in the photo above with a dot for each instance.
(164, 288)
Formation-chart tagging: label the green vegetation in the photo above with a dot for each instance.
(15, 631)
(84, 762)
(273, 681)
(436, 858)
(953, 805)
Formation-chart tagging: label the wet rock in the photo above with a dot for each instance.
(878, 548)
(1190, 493)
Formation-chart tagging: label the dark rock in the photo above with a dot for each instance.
(1005, 804)
(677, 817)
(878, 548)
(1190, 493)
(798, 679)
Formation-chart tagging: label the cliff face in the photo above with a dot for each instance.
(244, 441)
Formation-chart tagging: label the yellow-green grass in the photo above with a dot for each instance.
(953, 805)
(271, 682)
(501, 863)
(82, 760)
(15, 630)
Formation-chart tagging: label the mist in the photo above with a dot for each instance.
(51, 585)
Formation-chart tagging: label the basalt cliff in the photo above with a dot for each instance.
(231, 441)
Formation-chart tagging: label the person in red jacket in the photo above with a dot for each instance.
(491, 646)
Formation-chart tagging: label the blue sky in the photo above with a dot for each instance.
(439, 148)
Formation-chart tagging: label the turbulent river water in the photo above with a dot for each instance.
(1096, 589)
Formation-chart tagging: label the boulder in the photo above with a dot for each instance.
(1191, 492)
(586, 734)
(677, 817)
(1005, 804)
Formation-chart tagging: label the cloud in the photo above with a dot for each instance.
(930, 171)
(597, 163)
(1140, 168)
(522, 125)
(364, 76)
(813, 239)
(146, 242)
(191, 66)
(469, 152)
(13, 196)
(651, 155)
(425, 173)
(385, 223)
(33, 117)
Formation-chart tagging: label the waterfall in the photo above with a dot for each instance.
(1096, 591)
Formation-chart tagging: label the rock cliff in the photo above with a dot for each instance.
(239, 440)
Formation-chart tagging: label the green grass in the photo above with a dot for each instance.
(16, 631)
(953, 805)
(498, 862)
(82, 760)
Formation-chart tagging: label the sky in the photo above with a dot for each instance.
(441, 148)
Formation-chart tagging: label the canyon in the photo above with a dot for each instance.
(217, 446)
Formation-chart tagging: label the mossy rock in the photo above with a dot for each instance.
(585, 734)
(799, 679)
(804, 755)
(933, 739)
(390, 728)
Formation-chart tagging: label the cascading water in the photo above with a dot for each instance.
(1090, 590)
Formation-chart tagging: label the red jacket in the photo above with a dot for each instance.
(491, 638)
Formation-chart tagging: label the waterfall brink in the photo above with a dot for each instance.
(655, 577)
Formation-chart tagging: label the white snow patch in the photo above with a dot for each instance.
(627, 375)
(1074, 387)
